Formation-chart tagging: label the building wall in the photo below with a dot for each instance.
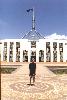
(23, 50)
(0, 49)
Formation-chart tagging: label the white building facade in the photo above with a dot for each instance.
(42, 50)
(33, 45)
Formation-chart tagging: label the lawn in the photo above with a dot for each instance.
(7, 70)
(60, 71)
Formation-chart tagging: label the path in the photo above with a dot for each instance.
(48, 86)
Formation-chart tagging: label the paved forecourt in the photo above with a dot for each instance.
(48, 86)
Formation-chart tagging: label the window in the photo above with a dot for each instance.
(61, 51)
(33, 55)
(33, 44)
(11, 52)
(25, 56)
(54, 51)
(18, 51)
(41, 56)
(65, 43)
(5, 52)
(48, 54)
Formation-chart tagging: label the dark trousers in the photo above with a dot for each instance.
(33, 76)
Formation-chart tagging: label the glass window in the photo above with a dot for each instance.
(54, 51)
(5, 52)
(25, 56)
(11, 52)
(61, 51)
(18, 51)
(41, 56)
(33, 55)
(48, 54)
(33, 44)
(65, 43)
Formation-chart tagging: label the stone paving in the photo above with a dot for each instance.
(48, 86)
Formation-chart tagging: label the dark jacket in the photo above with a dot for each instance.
(32, 68)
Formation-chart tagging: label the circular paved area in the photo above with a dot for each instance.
(16, 87)
(39, 87)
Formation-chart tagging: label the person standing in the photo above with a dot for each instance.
(32, 70)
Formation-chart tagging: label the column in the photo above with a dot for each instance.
(2, 48)
(29, 51)
(51, 49)
(58, 53)
(37, 55)
(8, 48)
(64, 53)
(45, 52)
(14, 52)
(21, 52)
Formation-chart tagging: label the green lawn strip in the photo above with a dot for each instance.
(7, 70)
(60, 71)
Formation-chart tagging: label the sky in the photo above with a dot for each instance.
(15, 22)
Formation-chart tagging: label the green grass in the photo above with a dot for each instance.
(7, 70)
(60, 71)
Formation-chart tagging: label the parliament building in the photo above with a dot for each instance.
(33, 45)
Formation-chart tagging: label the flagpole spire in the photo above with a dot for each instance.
(33, 20)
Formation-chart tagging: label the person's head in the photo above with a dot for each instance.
(33, 60)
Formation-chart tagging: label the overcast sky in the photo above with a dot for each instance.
(50, 15)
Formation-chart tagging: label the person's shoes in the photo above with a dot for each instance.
(30, 83)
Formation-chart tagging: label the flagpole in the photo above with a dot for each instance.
(33, 21)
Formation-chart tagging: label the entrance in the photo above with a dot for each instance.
(33, 55)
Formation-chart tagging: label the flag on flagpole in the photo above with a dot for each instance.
(29, 10)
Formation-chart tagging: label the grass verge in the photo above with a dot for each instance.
(60, 71)
(7, 70)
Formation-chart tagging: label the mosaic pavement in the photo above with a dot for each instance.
(47, 86)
